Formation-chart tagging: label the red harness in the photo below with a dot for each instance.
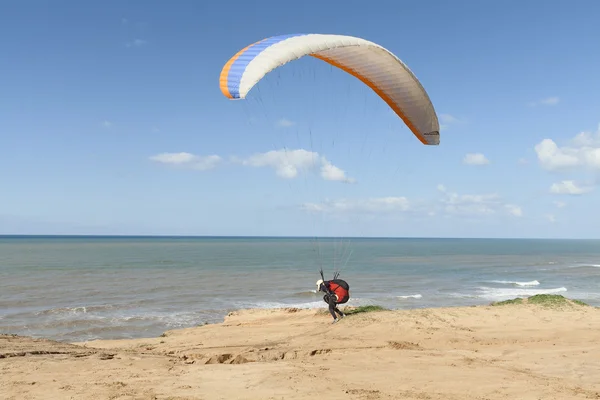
(340, 292)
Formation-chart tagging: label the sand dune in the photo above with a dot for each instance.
(517, 351)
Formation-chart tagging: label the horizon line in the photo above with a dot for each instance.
(157, 236)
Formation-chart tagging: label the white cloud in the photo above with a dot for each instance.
(552, 157)
(468, 204)
(523, 161)
(548, 101)
(551, 218)
(173, 158)
(514, 210)
(569, 187)
(284, 123)
(330, 172)
(188, 160)
(560, 204)
(582, 151)
(450, 204)
(136, 43)
(477, 205)
(372, 205)
(288, 163)
(475, 159)
(447, 119)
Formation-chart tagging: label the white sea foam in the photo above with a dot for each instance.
(86, 326)
(305, 305)
(306, 293)
(496, 293)
(275, 304)
(76, 310)
(410, 296)
(517, 283)
(459, 295)
(585, 265)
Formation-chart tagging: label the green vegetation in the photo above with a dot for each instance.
(544, 300)
(518, 300)
(354, 310)
(579, 302)
(548, 300)
(365, 309)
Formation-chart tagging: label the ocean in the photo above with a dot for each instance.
(85, 288)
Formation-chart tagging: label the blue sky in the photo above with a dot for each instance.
(93, 94)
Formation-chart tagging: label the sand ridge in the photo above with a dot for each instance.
(517, 351)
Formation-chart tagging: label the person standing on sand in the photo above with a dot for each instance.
(337, 291)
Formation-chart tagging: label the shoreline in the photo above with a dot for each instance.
(546, 348)
(321, 309)
(553, 301)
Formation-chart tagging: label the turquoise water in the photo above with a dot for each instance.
(83, 288)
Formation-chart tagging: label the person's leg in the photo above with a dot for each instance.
(330, 300)
(332, 307)
(342, 301)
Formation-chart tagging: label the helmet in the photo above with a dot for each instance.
(319, 283)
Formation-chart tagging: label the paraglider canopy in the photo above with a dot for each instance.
(371, 63)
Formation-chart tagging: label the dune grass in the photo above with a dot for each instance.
(355, 310)
(365, 309)
(579, 302)
(544, 300)
(518, 300)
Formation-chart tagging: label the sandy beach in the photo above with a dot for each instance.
(512, 351)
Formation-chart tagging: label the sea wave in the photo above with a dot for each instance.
(304, 305)
(518, 283)
(500, 293)
(87, 326)
(76, 310)
(410, 296)
(584, 265)
(306, 293)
